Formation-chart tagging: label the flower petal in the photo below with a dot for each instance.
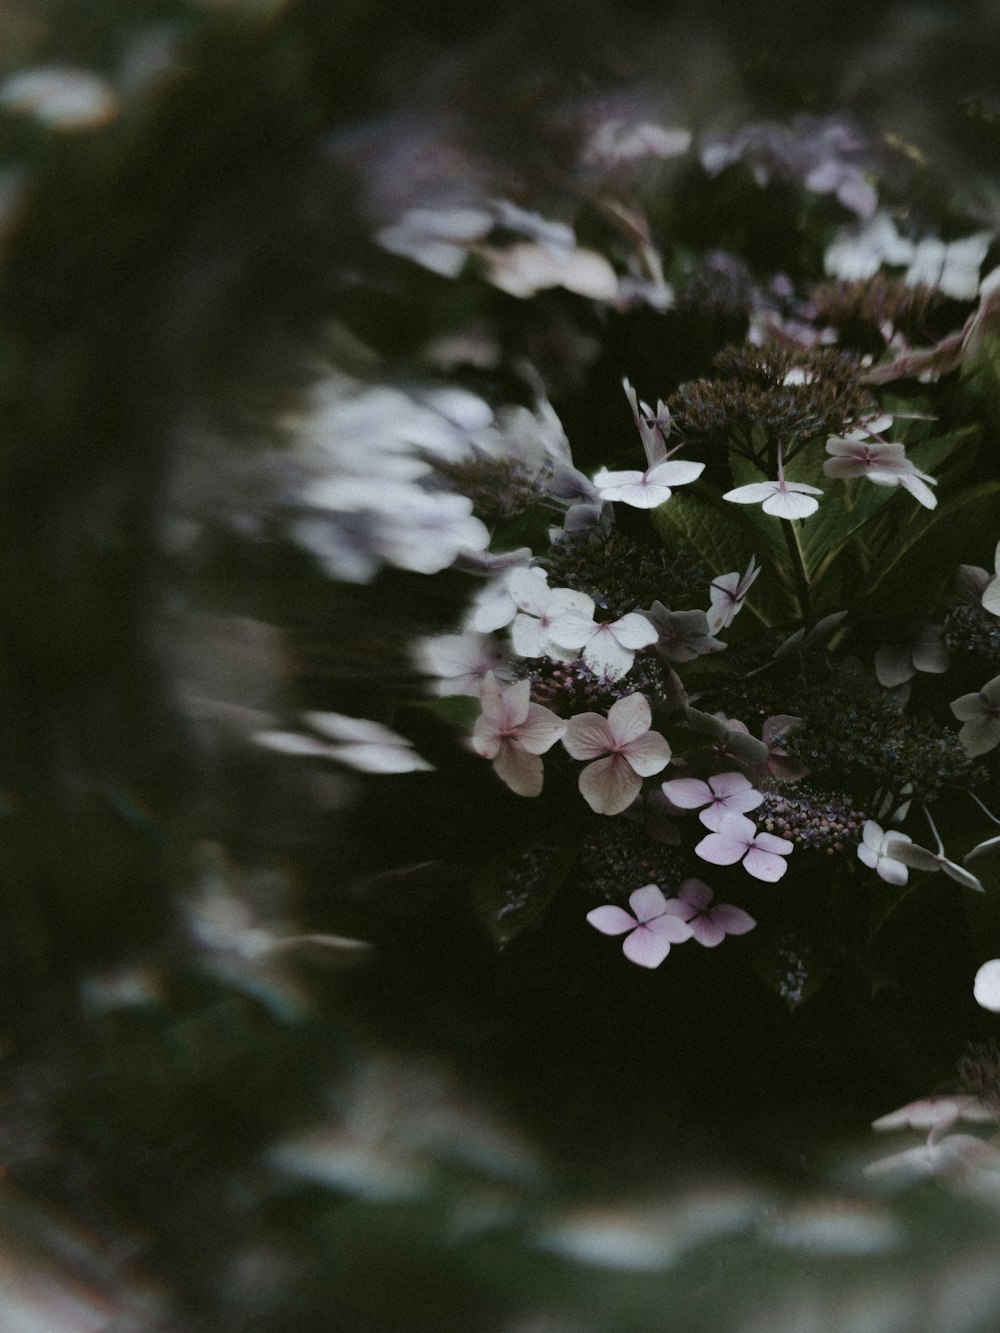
(675, 472)
(611, 920)
(646, 947)
(648, 754)
(629, 718)
(647, 903)
(733, 920)
(634, 631)
(541, 730)
(522, 772)
(754, 494)
(720, 850)
(587, 736)
(707, 931)
(605, 656)
(791, 504)
(695, 892)
(764, 865)
(687, 793)
(609, 785)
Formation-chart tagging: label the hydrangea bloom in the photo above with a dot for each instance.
(722, 794)
(781, 499)
(459, 661)
(623, 749)
(608, 649)
(539, 606)
(858, 455)
(981, 714)
(646, 490)
(710, 925)
(684, 635)
(653, 926)
(514, 733)
(737, 839)
(727, 594)
(876, 850)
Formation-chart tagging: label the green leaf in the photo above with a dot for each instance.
(512, 892)
(725, 536)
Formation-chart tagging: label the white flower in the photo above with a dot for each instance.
(459, 661)
(494, 606)
(538, 607)
(727, 594)
(882, 463)
(981, 715)
(357, 742)
(782, 499)
(646, 490)
(876, 850)
(952, 267)
(608, 649)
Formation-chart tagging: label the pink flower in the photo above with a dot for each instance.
(884, 464)
(720, 795)
(624, 750)
(514, 732)
(737, 839)
(655, 926)
(710, 926)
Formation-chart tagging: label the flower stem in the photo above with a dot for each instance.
(798, 567)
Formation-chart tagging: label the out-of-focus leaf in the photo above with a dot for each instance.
(512, 892)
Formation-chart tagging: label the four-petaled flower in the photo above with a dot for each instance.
(877, 851)
(782, 499)
(737, 839)
(646, 490)
(981, 715)
(727, 594)
(710, 925)
(684, 635)
(538, 606)
(884, 464)
(514, 733)
(608, 649)
(722, 794)
(623, 749)
(654, 925)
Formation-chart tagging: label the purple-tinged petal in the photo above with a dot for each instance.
(733, 920)
(770, 842)
(696, 893)
(680, 909)
(646, 946)
(611, 920)
(587, 736)
(720, 849)
(522, 772)
(729, 784)
(687, 793)
(707, 931)
(609, 785)
(764, 865)
(647, 903)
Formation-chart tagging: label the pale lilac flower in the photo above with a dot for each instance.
(608, 649)
(655, 925)
(538, 606)
(737, 839)
(924, 651)
(781, 499)
(514, 733)
(876, 850)
(981, 715)
(727, 594)
(710, 925)
(624, 751)
(722, 794)
(459, 661)
(987, 985)
(684, 635)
